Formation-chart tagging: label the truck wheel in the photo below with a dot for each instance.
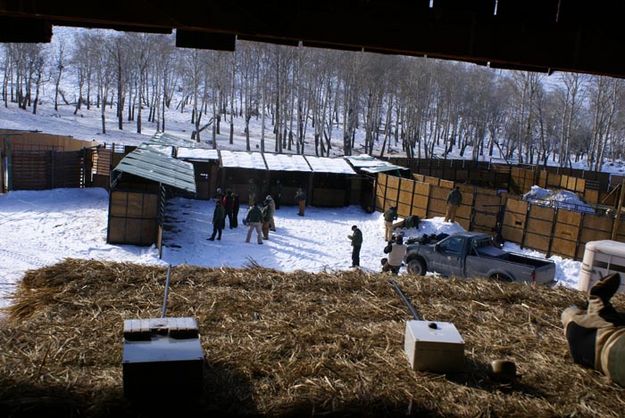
(501, 277)
(416, 267)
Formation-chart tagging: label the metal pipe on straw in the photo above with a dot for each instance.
(164, 310)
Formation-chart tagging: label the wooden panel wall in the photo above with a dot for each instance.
(133, 218)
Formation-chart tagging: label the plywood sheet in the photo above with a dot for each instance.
(485, 220)
(391, 194)
(418, 177)
(565, 231)
(538, 212)
(512, 234)
(392, 181)
(119, 202)
(514, 220)
(536, 242)
(538, 226)
(406, 185)
(563, 247)
(403, 210)
(382, 179)
(437, 207)
(437, 192)
(405, 197)
(420, 201)
(446, 184)
(516, 206)
(599, 223)
(569, 217)
(422, 189)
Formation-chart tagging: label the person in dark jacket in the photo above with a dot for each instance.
(356, 239)
(390, 215)
(454, 199)
(228, 205)
(219, 220)
(235, 210)
(254, 219)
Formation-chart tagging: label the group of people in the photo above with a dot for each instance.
(260, 216)
(226, 206)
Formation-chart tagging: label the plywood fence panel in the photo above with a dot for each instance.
(406, 185)
(562, 247)
(591, 196)
(418, 177)
(404, 209)
(463, 211)
(382, 179)
(538, 212)
(422, 189)
(599, 223)
(392, 181)
(446, 184)
(391, 195)
(439, 193)
(405, 197)
(516, 206)
(536, 241)
(437, 208)
(420, 202)
(431, 180)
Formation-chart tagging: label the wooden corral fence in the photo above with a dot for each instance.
(105, 157)
(478, 173)
(552, 231)
(591, 189)
(593, 186)
(35, 161)
(426, 197)
(556, 231)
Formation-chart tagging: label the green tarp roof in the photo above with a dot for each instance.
(160, 167)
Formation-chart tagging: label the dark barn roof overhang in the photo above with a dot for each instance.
(539, 35)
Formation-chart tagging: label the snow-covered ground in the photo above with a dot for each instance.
(40, 228)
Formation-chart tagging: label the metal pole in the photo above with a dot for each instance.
(164, 310)
(406, 300)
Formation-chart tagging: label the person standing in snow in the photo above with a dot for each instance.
(396, 251)
(300, 197)
(253, 220)
(251, 192)
(235, 210)
(454, 199)
(277, 193)
(219, 220)
(390, 215)
(270, 207)
(266, 221)
(228, 204)
(356, 239)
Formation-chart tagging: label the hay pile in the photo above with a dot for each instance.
(283, 344)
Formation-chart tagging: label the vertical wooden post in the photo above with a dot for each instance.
(579, 237)
(414, 186)
(619, 206)
(554, 220)
(527, 216)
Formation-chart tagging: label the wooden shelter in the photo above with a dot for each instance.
(140, 185)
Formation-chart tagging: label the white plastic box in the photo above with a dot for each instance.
(434, 346)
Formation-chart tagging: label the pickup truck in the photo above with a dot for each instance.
(474, 255)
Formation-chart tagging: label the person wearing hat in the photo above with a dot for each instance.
(356, 239)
